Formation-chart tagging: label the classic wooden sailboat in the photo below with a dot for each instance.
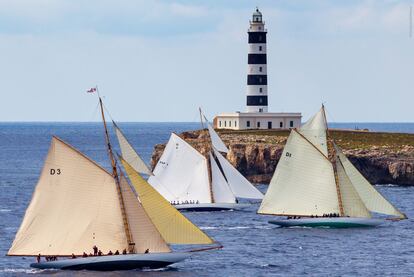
(190, 181)
(193, 182)
(315, 184)
(77, 205)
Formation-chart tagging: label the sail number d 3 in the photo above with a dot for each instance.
(55, 171)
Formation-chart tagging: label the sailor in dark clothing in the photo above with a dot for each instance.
(146, 251)
(38, 258)
(110, 253)
(95, 250)
(124, 252)
(116, 252)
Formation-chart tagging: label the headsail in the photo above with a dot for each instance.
(303, 183)
(215, 139)
(181, 173)
(351, 202)
(221, 190)
(75, 206)
(144, 234)
(173, 226)
(372, 199)
(129, 153)
(240, 186)
(315, 131)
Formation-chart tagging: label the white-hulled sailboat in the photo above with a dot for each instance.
(202, 184)
(315, 185)
(77, 205)
(191, 181)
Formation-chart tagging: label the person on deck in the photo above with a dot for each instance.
(116, 252)
(73, 256)
(95, 250)
(124, 252)
(110, 253)
(38, 258)
(146, 251)
(99, 253)
(84, 255)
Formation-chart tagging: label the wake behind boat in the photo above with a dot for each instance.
(189, 180)
(315, 185)
(78, 206)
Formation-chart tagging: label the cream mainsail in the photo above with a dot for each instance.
(239, 185)
(172, 225)
(181, 173)
(307, 183)
(130, 154)
(303, 183)
(75, 206)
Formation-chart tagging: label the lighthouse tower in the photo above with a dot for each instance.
(257, 66)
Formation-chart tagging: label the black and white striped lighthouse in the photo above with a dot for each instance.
(257, 66)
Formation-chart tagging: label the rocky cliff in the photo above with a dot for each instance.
(383, 158)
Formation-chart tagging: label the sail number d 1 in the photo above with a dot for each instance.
(54, 171)
(288, 154)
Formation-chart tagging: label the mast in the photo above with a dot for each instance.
(118, 185)
(329, 141)
(210, 178)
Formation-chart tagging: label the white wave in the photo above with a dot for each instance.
(4, 210)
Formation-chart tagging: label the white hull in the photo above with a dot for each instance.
(212, 206)
(115, 262)
(331, 222)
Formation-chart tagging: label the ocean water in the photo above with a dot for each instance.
(252, 247)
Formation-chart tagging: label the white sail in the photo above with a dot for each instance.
(315, 131)
(240, 186)
(221, 190)
(372, 199)
(129, 154)
(144, 234)
(75, 206)
(303, 183)
(215, 139)
(351, 202)
(181, 174)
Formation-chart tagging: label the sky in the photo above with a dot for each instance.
(161, 60)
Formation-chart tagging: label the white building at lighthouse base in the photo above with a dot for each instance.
(243, 121)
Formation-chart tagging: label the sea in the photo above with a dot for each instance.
(252, 247)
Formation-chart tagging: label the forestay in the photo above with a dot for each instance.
(303, 183)
(221, 190)
(181, 173)
(172, 225)
(240, 186)
(372, 199)
(315, 131)
(130, 154)
(75, 206)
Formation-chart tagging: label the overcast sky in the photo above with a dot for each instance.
(161, 60)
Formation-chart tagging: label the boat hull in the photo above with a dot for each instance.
(209, 207)
(115, 262)
(330, 222)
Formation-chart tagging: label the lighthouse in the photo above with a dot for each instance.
(257, 115)
(257, 66)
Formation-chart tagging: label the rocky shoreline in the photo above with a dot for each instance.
(383, 158)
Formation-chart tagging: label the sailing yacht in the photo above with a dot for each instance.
(190, 181)
(316, 185)
(193, 182)
(77, 205)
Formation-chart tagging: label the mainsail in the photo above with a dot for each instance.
(303, 183)
(75, 206)
(173, 226)
(130, 154)
(181, 173)
(240, 186)
(315, 131)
